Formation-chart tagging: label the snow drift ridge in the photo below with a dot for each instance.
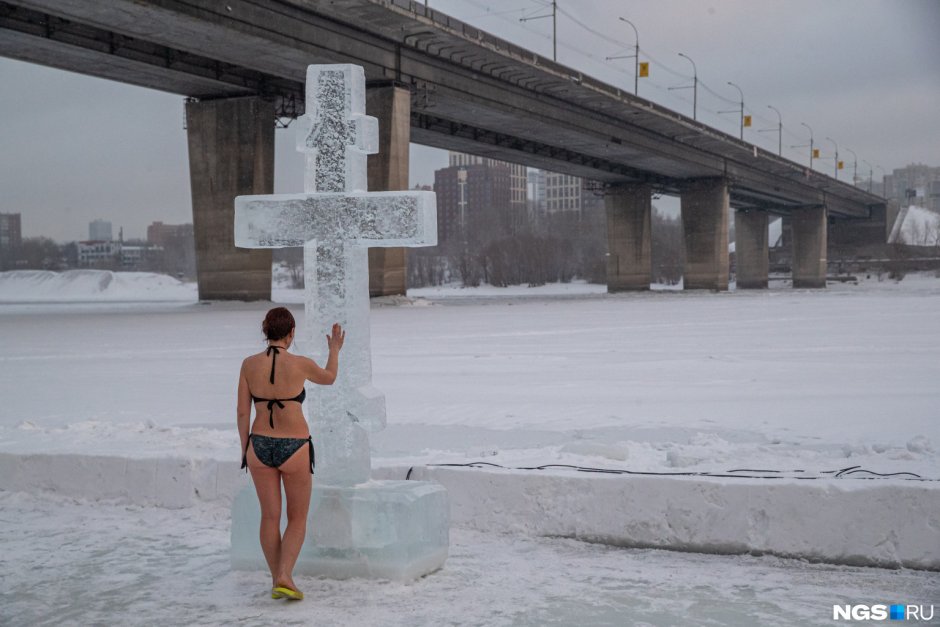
(30, 286)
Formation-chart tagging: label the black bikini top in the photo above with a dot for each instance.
(276, 401)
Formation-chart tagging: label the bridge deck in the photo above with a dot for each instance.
(471, 91)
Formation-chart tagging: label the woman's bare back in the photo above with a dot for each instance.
(289, 378)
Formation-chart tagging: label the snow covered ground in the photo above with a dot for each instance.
(665, 381)
(68, 562)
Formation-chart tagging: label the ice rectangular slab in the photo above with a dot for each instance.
(396, 530)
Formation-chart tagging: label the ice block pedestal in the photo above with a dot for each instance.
(356, 527)
(384, 529)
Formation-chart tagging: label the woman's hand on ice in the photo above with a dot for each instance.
(335, 341)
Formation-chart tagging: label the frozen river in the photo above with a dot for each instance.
(782, 378)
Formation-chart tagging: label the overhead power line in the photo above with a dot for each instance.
(675, 98)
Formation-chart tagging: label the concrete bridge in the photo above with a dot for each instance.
(437, 81)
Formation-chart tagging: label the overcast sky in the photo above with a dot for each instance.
(863, 72)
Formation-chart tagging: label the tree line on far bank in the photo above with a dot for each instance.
(558, 248)
(177, 257)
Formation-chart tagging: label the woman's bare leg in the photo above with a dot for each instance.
(267, 482)
(297, 484)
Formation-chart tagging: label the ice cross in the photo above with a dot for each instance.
(336, 221)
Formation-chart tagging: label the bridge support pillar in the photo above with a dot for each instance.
(810, 236)
(390, 102)
(751, 252)
(705, 226)
(628, 237)
(231, 153)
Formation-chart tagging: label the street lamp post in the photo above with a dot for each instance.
(742, 107)
(870, 173)
(779, 130)
(635, 55)
(810, 144)
(854, 165)
(837, 156)
(694, 86)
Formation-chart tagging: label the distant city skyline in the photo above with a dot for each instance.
(864, 72)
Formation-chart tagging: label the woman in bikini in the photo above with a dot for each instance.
(279, 447)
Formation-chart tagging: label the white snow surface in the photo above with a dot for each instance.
(73, 562)
(779, 379)
(664, 381)
(77, 286)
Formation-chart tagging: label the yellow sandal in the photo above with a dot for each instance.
(281, 591)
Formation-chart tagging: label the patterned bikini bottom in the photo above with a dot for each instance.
(275, 451)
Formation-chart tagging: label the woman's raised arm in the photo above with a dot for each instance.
(326, 376)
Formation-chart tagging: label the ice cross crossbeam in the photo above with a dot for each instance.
(361, 218)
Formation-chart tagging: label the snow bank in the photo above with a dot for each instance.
(164, 482)
(32, 286)
(886, 523)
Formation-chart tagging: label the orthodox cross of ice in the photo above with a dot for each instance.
(336, 221)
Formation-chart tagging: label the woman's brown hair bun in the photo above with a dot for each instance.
(277, 323)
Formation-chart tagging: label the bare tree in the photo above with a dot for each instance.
(293, 260)
(668, 250)
(40, 253)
